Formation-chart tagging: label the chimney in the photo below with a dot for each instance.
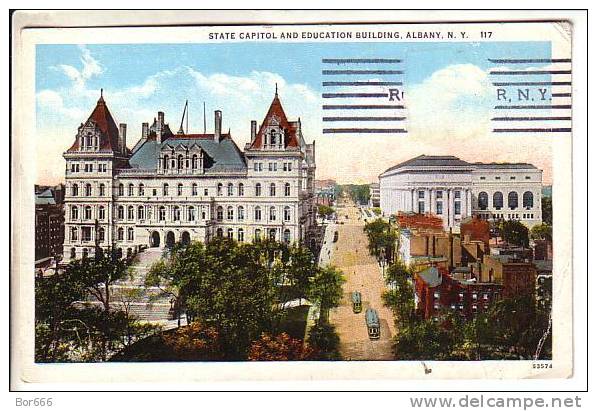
(253, 130)
(159, 126)
(122, 137)
(218, 126)
(144, 130)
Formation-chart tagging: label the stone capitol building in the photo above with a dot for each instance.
(186, 187)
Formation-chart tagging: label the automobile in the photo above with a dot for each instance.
(372, 321)
(356, 302)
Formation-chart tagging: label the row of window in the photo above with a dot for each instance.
(240, 234)
(180, 162)
(230, 190)
(272, 166)
(86, 234)
(88, 167)
(499, 177)
(191, 213)
(510, 216)
(498, 200)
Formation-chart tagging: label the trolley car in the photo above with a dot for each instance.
(356, 302)
(372, 324)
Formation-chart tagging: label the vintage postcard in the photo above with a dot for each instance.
(293, 201)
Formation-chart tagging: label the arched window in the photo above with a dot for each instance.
(219, 189)
(220, 213)
(166, 162)
(483, 200)
(87, 213)
(101, 234)
(101, 213)
(241, 189)
(220, 232)
(179, 190)
(191, 213)
(272, 139)
(141, 212)
(257, 189)
(120, 213)
(74, 213)
(287, 189)
(180, 161)
(162, 213)
(230, 189)
(287, 213)
(194, 189)
(240, 235)
(240, 213)
(85, 253)
(512, 200)
(230, 213)
(194, 162)
(165, 189)
(141, 189)
(257, 234)
(130, 234)
(88, 190)
(74, 234)
(272, 190)
(121, 189)
(75, 190)
(102, 190)
(73, 253)
(176, 213)
(120, 234)
(230, 233)
(131, 190)
(131, 213)
(257, 213)
(527, 200)
(272, 213)
(498, 200)
(287, 236)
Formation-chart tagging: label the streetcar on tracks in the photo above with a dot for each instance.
(372, 320)
(357, 306)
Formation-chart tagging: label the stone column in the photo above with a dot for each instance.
(469, 202)
(449, 208)
(432, 208)
(413, 194)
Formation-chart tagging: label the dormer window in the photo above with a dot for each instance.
(273, 137)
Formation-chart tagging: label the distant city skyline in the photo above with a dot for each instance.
(449, 98)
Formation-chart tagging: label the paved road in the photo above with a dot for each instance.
(362, 274)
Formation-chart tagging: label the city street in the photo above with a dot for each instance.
(363, 274)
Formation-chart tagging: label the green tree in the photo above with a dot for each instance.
(425, 340)
(546, 210)
(326, 290)
(541, 231)
(239, 289)
(325, 211)
(515, 233)
(326, 342)
(399, 296)
(382, 238)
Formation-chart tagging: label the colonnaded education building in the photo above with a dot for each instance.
(185, 187)
(454, 189)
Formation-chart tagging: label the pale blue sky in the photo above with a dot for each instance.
(449, 97)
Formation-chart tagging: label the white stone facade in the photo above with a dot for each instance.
(453, 189)
(186, 187)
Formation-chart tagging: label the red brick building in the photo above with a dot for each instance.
(436, 292)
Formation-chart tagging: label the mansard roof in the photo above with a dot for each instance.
(105, 122)
(225, 154)
(276, 112)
